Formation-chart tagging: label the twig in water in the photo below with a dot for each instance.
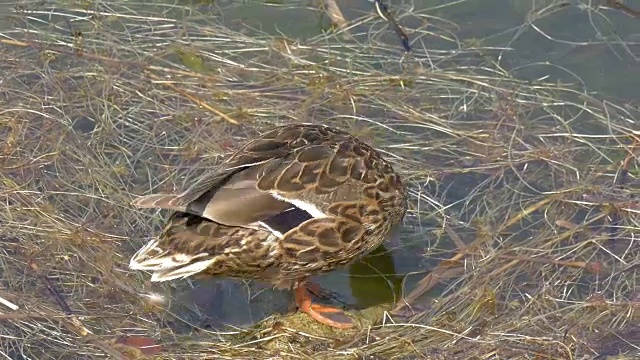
(334, 13)
(8, 303)
(617, 4)
(71, 321)
(195, 99)
(384, 13)
(50, 288)
(620, 181)
(455, 265)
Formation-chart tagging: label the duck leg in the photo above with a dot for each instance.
(316, 290)
(322, 313)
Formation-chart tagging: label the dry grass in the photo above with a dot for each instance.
(533, 186)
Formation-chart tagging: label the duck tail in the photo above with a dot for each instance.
(167, 264)
(159, 201)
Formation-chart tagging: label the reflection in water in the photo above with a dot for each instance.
(219, 303)
(374, 280)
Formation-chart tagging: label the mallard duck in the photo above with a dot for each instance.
(297, 201)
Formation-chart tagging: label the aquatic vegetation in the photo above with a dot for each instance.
(519, 239)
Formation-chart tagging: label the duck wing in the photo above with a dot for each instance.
(229, 195)
(285, 170)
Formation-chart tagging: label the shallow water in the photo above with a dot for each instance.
(577, 43)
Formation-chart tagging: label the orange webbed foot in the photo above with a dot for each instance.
(324, 314)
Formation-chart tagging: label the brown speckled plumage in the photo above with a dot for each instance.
(225, 223)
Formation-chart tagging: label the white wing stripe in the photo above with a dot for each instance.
(309, 208)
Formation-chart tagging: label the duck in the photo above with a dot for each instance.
(297, 201)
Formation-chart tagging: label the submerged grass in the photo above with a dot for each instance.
(524, 193)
